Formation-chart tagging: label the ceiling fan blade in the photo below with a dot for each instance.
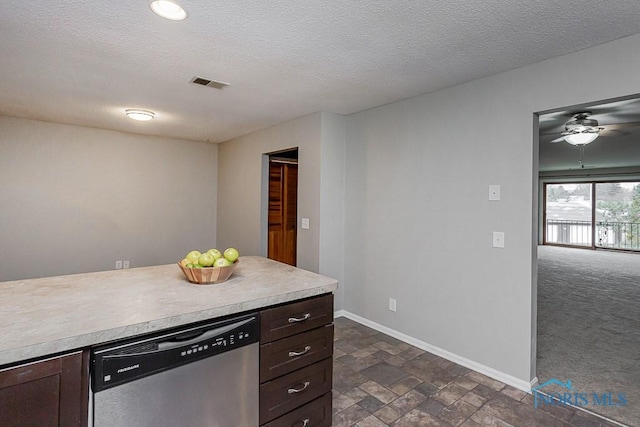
(619, 126)
(558, 140)
(554, 131)
(613, 132)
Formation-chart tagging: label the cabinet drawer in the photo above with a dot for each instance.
(283, 356)
(291, 319)
(279, 396)
(314, 414)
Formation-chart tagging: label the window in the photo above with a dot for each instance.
(618, 208)
(572, 209)
(568, 213)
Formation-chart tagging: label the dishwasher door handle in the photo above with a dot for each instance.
(169, 344)
(175, 341)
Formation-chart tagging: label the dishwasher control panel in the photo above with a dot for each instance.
(218, 343)
(119, 363)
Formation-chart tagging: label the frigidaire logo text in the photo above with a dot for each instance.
(128, 368)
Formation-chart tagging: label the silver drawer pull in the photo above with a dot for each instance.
(299, 319)
(300, 353)
(305, 422)
(299, 390)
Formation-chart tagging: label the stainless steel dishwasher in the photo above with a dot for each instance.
(204, 375)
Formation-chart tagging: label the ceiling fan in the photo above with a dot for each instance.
(582, 129)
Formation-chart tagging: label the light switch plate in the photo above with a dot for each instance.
(494, 192)
(305, 223)
(498, 239)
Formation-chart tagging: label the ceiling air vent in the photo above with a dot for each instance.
(211, 83)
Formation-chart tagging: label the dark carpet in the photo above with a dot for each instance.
(589, 325)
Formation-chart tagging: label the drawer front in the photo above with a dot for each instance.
(291, 319)
(287, 355)
(284, 394)
(314, 414)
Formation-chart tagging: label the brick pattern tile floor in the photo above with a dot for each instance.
(380, 381)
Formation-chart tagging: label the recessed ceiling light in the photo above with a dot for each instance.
(168, 9)
(140, 115)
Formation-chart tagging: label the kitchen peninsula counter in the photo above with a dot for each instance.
(39, 317)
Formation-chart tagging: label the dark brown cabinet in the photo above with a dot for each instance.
(51, 392)
(296, 363)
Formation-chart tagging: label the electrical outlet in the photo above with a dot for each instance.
(392, 304)
(494, 192)
(498, 239)
(118, 265)
(305, 223)
(125, 263)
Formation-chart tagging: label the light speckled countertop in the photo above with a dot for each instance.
(39, 317)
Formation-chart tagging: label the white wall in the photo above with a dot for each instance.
(240, 186)
(418, 223)
(76, 199)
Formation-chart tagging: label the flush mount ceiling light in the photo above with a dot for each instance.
(140, 115)
(168, 10)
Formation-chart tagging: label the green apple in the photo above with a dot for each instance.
(222, 262)
(190, 265)
(193, 256)
(231, 254)
(206, 259)
(216, 253)
(198, 266)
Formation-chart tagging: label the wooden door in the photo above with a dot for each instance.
(283, 207)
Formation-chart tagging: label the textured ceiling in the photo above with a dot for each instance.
(83, 62)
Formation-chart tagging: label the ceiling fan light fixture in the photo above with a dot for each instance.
(581, 138)
(140, 115)
(168, 10)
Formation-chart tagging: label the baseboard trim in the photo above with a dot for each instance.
(467, 363)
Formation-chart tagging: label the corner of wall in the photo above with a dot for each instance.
(332, 207)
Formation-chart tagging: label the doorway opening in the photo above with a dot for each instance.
(283, 206)
(585, 301)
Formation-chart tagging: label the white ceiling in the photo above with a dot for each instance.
(84, 61)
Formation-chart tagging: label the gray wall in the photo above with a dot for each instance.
(242, 177)
(332, 209)
(240, 187)
(76, 199)
(418, 221)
